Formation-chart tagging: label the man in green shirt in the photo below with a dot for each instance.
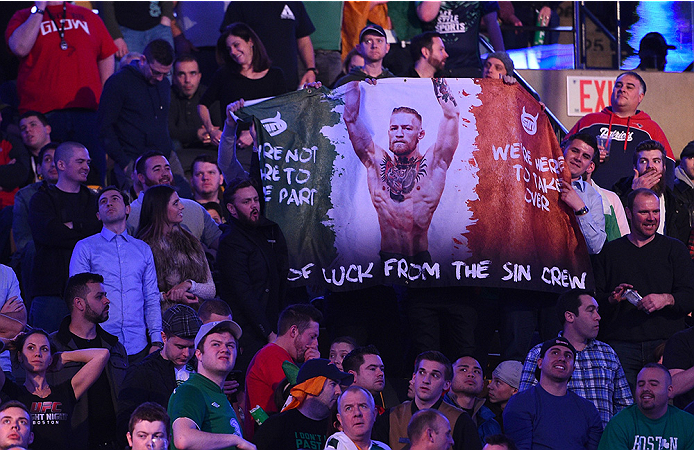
(201, 415)
(651, 422)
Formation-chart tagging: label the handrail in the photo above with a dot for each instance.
(559, 129)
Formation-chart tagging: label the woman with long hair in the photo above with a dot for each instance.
(245, 72)
(36, 355)
(183, 273)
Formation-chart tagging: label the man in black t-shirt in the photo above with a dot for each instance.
(86, 298)
(304, 422)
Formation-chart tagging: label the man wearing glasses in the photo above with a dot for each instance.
(134, 112)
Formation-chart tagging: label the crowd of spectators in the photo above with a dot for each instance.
(144, 298)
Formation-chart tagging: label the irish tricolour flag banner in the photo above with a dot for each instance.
(422, 182)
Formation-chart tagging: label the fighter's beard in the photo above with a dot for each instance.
(401, 175)
(659, 187)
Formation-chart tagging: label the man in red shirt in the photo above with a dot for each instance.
(65, 56)
(297, 342)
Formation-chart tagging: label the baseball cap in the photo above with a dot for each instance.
(562, 341)
(217, 327)
(182, 321)
(371, 29)
(654, 43)
(321, 367)
(509, 372)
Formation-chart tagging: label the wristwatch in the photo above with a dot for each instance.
(582, 211)
(35, 10)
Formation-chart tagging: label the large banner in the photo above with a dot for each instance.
(421, 182)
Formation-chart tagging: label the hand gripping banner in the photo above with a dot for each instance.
(424, 182)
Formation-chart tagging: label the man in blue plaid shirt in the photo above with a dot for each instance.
(598, 375)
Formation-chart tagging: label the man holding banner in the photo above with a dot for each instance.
(405, 184)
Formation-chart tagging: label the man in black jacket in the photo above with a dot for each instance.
(86, 298)
(156, 376)
(253, 262)
(59, 216)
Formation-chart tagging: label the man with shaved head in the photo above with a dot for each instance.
(59, 216)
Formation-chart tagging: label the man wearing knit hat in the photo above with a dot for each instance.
(303, 423)
(498, 65)
(201, 414)
(504, 385)
(548, 415)
(598, 376)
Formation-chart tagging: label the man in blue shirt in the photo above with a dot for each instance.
(549, 415)
(130, 277)
(580, 151)
(598, 375)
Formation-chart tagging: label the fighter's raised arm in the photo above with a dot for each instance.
(358, 134)
(447, 139)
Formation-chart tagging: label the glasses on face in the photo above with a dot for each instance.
(158, 74)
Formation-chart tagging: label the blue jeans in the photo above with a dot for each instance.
(138, 40)
(80, 125)
(47, 312)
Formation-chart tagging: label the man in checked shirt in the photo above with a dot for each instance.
(598, 375)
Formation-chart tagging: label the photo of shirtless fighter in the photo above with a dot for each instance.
(405, 184)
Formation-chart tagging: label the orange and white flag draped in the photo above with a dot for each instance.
(494, 217)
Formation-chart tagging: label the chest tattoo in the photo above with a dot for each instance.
(402, 175)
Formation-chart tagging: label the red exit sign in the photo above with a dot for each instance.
(587, 94)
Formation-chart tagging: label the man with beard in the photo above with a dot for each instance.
(549, 415)
(127, 265)
(650, 173)
(598, 375)
(304, 422)
(644, 285)
(429, 55)
(296, 342)
(253, 261)
(404, 182)
(466, 388)
(85, 295)
(651, 422)
(153, 169)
